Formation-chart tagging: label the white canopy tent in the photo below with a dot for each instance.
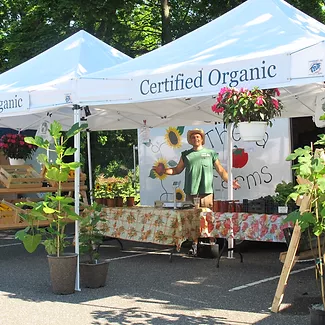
(43, 87)
(265, 43)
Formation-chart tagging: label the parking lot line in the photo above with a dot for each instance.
(6, 245)
(268, 279)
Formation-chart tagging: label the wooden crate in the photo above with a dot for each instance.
(9, 215)
(20, 176)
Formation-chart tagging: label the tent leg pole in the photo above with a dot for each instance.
(76, 117)
(90, 168)
(230, 128)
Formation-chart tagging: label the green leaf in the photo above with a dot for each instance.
(180, 129)
(305, 170)
(70, 151)
(321, 183)
(31, 242)
(152, 174)
(172, 163)
(75, 129)
(55, 130)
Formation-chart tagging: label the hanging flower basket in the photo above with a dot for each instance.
(252, 131)
(248, 106)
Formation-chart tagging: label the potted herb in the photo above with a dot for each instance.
(310, 172)
(16, 149)
(93, 272)
(247, 108)
(55, 208)
(283, 190)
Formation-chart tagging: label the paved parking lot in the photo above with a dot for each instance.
(143, 287)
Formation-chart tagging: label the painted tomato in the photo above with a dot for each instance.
(239, 157)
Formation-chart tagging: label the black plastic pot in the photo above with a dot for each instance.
(93, 275)
(317, 316)
(63, 273)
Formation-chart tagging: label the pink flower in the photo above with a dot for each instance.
(215, 108)
(275, 103)
(259, 100)
(277, 91)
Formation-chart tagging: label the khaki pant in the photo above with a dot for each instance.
(206, 200)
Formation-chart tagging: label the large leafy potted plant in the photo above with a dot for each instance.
(93, 272)
(56, 209)
(248, 107)
(310, 191)
(16, 149)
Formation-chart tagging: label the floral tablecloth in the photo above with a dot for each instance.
(152, 225)
(243, 226)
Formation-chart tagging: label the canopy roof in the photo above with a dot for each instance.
(49, 79)
(265, 43)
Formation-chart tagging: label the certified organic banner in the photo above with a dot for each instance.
(13, 102)
(170, 82)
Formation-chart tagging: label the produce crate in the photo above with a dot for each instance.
(9, 215)
(20, 176)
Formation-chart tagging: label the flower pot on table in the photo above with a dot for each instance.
(119, 201)
(130, 201)
(110, 202)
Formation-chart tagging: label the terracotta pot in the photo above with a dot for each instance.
(119, 201)
(110, 202)
(100, 201)
(130, 201)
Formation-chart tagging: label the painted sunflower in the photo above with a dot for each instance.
(173, 137)
(180, 195)
(161, 165)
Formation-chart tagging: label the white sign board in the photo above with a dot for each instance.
(258, 166)
(13, 102)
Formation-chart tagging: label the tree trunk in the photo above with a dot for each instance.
(166, 35)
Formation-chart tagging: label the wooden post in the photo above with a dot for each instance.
(287, 266)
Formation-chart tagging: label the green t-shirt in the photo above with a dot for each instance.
(199, 166)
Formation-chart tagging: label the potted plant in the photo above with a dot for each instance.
(16, 149)
(310, 172)
(115, 185)
(283, 190)
(93, 272)
(101, 191)
(248, 107)
(55, 208)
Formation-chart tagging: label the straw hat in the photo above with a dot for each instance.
(195, 131)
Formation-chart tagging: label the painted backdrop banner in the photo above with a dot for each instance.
(258, 166)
